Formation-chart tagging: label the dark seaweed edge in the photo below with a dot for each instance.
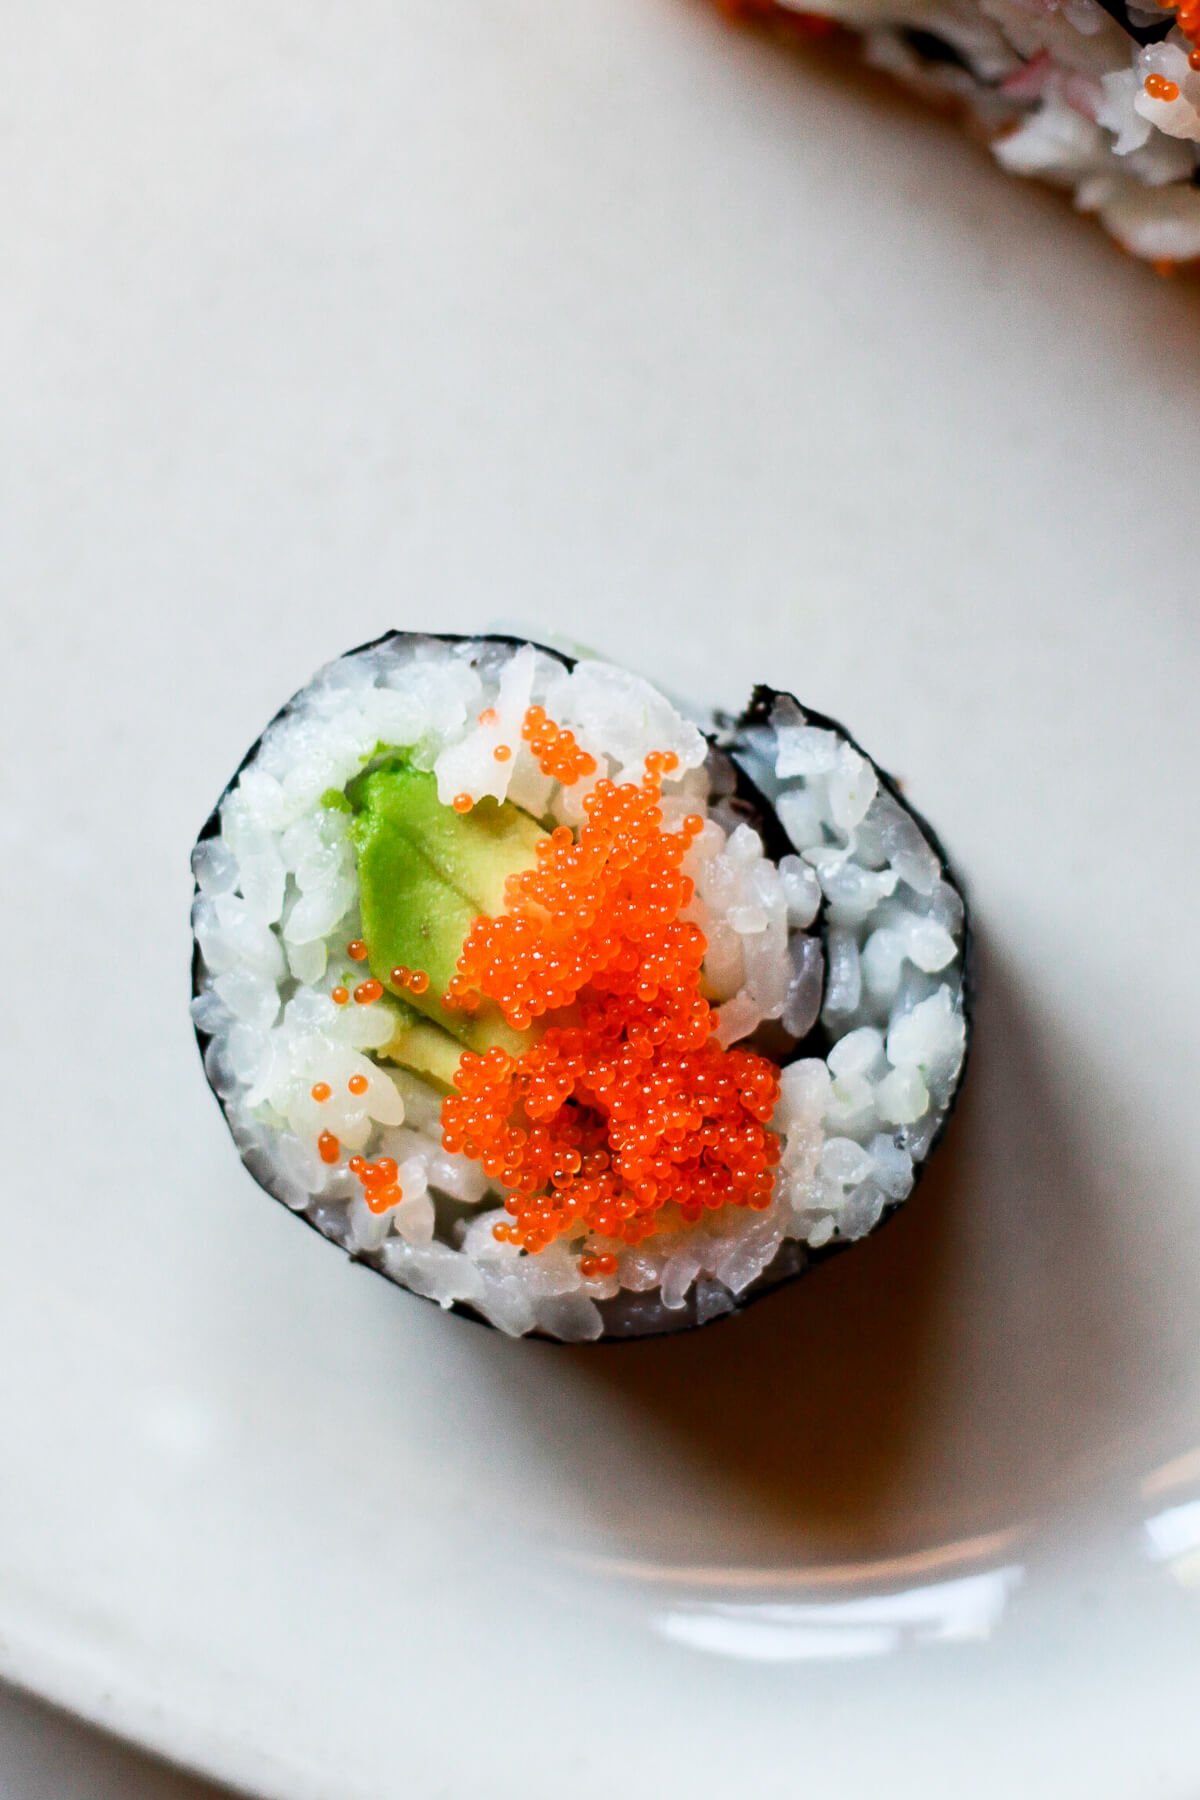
(1151, 33)
(793, 1259)
(757, 713)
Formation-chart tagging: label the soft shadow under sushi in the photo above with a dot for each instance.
(987, 1358)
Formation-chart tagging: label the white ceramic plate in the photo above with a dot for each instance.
(607, 318)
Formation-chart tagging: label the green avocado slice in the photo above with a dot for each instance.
(475, 852)
(413, 913)
(422, 1046)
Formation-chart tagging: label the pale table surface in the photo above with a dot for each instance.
(319, 319)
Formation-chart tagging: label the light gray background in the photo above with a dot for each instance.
(316, 320)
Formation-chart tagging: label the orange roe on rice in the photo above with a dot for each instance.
(379, 1185)
(624, 1116)
(556, 751)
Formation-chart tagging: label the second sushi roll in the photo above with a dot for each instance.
(561, 1010)
(1100, 97)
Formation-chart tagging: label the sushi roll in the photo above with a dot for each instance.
(560, 1010)
(1101, 97)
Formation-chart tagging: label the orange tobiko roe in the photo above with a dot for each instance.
(624, 1116)
(381, 1190)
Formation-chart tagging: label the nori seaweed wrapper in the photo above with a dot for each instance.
(631, 1316)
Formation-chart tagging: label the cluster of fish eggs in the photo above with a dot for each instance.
(628, 1115)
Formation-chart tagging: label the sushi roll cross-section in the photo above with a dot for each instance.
(558, 1009)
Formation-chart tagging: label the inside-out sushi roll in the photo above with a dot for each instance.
(1101, 97)
(557, 1009)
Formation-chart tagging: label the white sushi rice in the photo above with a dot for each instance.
(277, 903)
(1059, 87)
